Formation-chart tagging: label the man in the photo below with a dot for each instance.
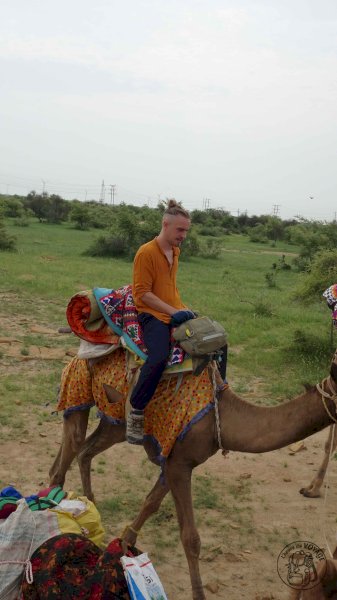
(159, 305)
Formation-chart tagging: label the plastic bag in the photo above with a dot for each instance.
(86, 522)
(142, 579)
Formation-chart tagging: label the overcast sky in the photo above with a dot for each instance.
(234, 101)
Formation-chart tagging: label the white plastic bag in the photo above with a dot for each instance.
(142, 579)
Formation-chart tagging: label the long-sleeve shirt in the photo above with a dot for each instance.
(152, 272)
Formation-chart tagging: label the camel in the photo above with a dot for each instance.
(244, 427)
(326, 585)
(314, 488)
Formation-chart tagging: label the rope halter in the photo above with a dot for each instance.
(331, 395)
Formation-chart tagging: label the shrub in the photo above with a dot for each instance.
(108, 245)
(22, 221)
(211, 249)
(270, 279)
(191, 246)
(258, 234)
(310, 346)
(7, 242)
(323, 274)
(126, 234)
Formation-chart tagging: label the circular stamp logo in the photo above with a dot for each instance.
(297, 564)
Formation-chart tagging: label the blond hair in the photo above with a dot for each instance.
(175, 208)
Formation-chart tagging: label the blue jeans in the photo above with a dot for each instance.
(157, 341)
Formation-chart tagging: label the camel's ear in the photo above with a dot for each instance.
(112, 394)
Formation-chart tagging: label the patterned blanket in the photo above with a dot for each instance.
(168, 416)
(103, 315)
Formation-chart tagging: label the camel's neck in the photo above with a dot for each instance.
(249, 428)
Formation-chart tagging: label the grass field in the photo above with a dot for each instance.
(261, 321)
(266, 365)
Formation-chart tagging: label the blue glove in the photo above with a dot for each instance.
(181, 316)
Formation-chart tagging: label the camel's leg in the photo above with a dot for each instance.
(151, 505)
(179, 479)
(74, 430)
(313, 489)
(104, 436)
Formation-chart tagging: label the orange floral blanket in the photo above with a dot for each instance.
(168, 416)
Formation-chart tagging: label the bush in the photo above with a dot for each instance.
(126, 235)
(309, 346)
(191, 246)
(7, 242)
(22, 221)
(110, 246)
(270, 279)
(258, 234)
(323, 274)
(211, 249)
(211, 230)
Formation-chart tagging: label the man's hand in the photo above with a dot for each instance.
(181, 316)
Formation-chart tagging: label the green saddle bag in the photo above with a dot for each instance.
(200, 336)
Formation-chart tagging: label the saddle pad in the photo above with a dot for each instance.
(169, 414)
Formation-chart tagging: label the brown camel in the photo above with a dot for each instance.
(326, 583)
(244, 427)
(314, 488)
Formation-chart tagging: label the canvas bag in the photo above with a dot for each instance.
(200, 336)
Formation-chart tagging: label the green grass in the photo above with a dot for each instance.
(261, 321)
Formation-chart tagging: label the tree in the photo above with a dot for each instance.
(58, 209)
(39, 204)
(80, 215)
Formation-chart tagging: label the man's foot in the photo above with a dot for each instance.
(135, 427)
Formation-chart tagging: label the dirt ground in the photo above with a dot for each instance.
(243, 568)
(241, 564)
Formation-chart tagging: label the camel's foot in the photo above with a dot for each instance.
(310, 492)
(129, 537)
(56, 480)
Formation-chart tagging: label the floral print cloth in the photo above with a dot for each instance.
(175, 406)
(71, 567)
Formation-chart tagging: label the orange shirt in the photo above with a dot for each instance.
(152, 272)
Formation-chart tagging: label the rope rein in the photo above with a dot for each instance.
(328, 396)
(216, 389)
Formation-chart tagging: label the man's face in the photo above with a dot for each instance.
(175, 229)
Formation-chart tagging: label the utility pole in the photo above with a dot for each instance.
(112, 194)
(206, 203)
(43, 186)
(102, 194)
(276, 209)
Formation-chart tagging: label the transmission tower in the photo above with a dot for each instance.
(102, 194)
(112, 193)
